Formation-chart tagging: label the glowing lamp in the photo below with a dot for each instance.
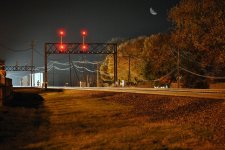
(62, 47)
(84, 33)
(84, 47)
(61, 33)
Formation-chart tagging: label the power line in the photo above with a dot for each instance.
(165, 75)
(84, 68)
(59, 63)
(210, 77)
(190, 58)
(38, 53)
(51, 63)
(88, 62)
(62, 69)
(14, 50)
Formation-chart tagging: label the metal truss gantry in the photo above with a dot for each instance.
(76, 48)
(19, 68)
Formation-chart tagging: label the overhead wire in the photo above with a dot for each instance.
(190, 58)
(88, 62)
(165, 75)
(204, 76)
(61, 69)
(194, 61)
(51, 63)
(14, 50)
(84, 68)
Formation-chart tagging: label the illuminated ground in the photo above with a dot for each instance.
(73, 119)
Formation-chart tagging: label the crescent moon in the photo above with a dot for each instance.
(152, 11)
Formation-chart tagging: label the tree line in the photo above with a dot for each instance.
(197, 34)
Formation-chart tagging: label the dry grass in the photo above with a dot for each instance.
(96, 120)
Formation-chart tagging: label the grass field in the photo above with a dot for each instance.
(73, 119)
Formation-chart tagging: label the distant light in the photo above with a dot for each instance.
(61, 32)
(62, 47)
(84, 47)
(84, 33)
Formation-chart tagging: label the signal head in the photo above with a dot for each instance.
(84, 47)
(84, 33)
(61, 32)
(62, 47)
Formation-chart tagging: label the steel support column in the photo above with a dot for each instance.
(115, 64)
(46, 69)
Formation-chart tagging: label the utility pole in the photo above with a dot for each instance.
(97, 75)
(129, 71)
(86, 75)
(53, 75)
(87, 80)
(32, 62)
(46, 69)
(178, 68)
(84, 72)
(178, 57)
(70, 71)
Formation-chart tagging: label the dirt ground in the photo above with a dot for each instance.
(71, 119)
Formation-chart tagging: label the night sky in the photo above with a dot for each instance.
(25, 20)
(40, 20)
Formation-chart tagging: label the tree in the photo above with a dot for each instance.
(199, 33)
(128, 48)
(150, 57)
(159, 57)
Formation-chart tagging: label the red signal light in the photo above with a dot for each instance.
(84, 33)
(62, 47)
(84, 47)
(61, 33)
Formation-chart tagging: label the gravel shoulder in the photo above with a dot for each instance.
(73, 119)
(205, 117)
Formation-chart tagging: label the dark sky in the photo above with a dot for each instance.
(25, 20)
